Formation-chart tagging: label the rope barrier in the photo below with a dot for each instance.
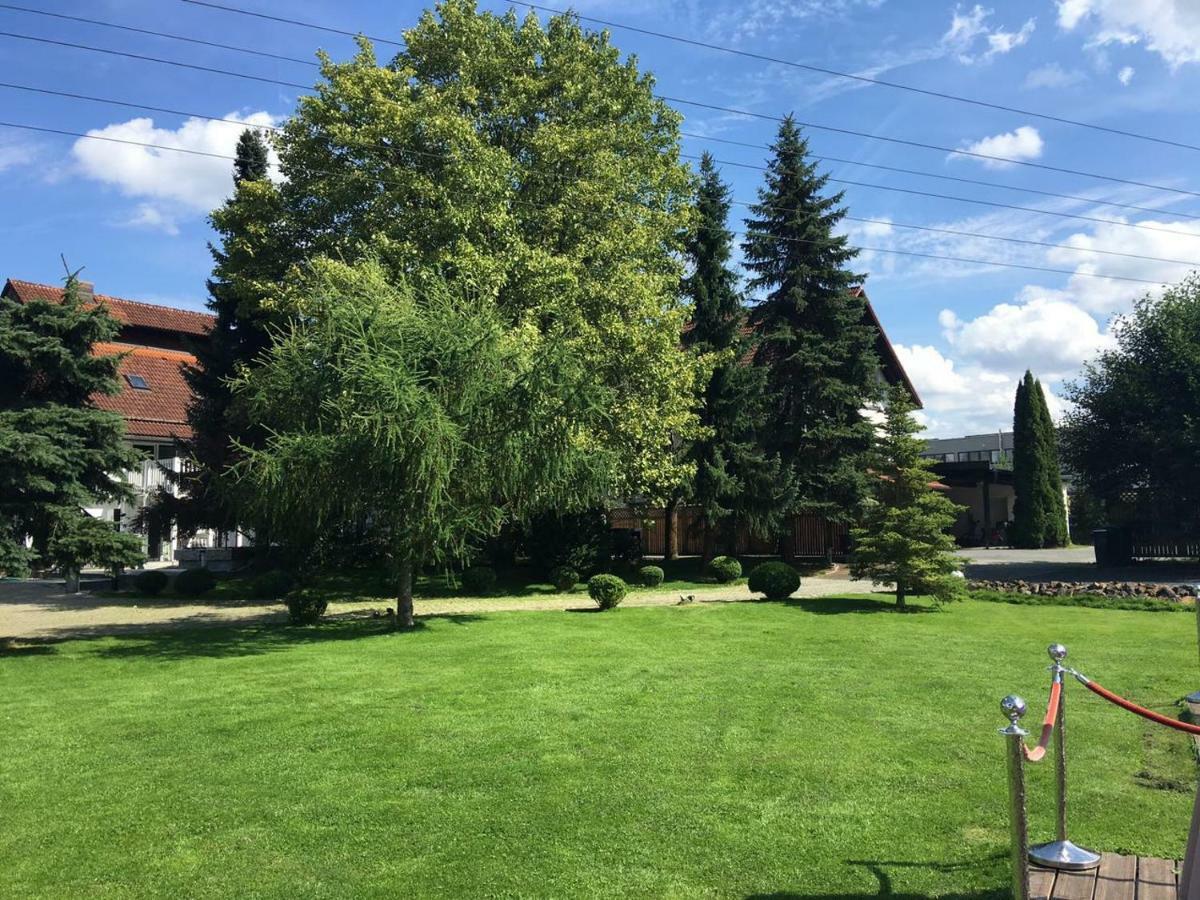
(1133, 707)
(1036, 754)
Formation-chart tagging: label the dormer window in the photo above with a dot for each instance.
(138, 382)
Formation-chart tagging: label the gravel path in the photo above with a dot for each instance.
(40, 610)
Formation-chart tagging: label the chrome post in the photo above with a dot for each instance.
(1014, 707)
(1061, 853)
(1194, 697)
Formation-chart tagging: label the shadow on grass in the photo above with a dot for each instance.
(879, 870)
(878, 603)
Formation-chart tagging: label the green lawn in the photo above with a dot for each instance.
(825, 748)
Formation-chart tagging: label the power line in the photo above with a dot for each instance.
(863, 79)
(155, 59)
(944, 257)
(992, 203)
(742, 112)
(159, 34)
(242, 124)
(286, 21)
(926, 174)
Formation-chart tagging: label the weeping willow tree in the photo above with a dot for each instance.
(410, 413)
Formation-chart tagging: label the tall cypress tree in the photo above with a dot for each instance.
(819, 356)
(736, 481)
(243, 264)
(1055, 532)
(59, 453)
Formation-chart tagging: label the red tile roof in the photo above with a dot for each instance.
(161, 411)
(127, 312)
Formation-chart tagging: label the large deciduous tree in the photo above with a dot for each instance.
(413, 413)
(535, 162)
(59, 454)
(736, 482)
(1039, 511)
(819, 354)
(904, 537)
(1132, 438)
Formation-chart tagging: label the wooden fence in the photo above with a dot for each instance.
(812, 537)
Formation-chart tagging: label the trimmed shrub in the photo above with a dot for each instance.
(194, 582)
(607, 590)
(479, 580)
(564, 578)
(272, 585)
(152, 582)
(650, 576)
(305, 608)
(775, 580)
(725, 569)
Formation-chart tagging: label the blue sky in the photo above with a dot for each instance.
(136, 219)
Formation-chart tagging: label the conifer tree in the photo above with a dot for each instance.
(818, 353)
(904, 536)
(245, 264)
(736, 481)
(1055, 533)
(1039, 513)
(59, 453)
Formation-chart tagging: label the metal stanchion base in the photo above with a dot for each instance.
(1063, 855)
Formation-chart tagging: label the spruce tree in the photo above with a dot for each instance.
(736, 481)
(1039, 513)
(244, 265)
(59, 453)
(818, 353)
(1055, 532)
(904, 536)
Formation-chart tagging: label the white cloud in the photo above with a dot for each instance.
(147, 215)
(1024, 143)
(1170, 28)
(193, 182)
(14, 152)
(1053, 75)
(768, 19)
(958, 399)
(967, 29)
(1125, 75)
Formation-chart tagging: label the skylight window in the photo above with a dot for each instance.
(138, 382)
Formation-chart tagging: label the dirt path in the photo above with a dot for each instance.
(32, 609)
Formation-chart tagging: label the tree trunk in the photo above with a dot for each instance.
(670, 526)
(71, 579)
(710, 543)
(900, 604)
(404, 594)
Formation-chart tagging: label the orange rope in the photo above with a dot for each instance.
(1139, 710)
(1043, 743)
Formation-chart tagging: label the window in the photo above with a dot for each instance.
(138, 382)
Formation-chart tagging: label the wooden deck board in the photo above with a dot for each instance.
(1118, 878)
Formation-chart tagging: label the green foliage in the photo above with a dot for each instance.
(1131, 439)
(736, 481)
(1090, 601)
(59, 454)
(724, 569)
(607, 590)
(479, 581)
(1039, 513)
(650, 576)
(305, 607)
(903, 538)
(819, 353)
(411, 411)
(152, 582)
(564, 578)
(579, 540)
(194, 582)
(774, 580)
(272, 585)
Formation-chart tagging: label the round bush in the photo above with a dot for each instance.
(194, 582)
(479, 580)
(272, 585)
(564, 578)
(725, 569)
(775, 580)
(607, 590)
(650, 576)
(151, 582)
(305, 608)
